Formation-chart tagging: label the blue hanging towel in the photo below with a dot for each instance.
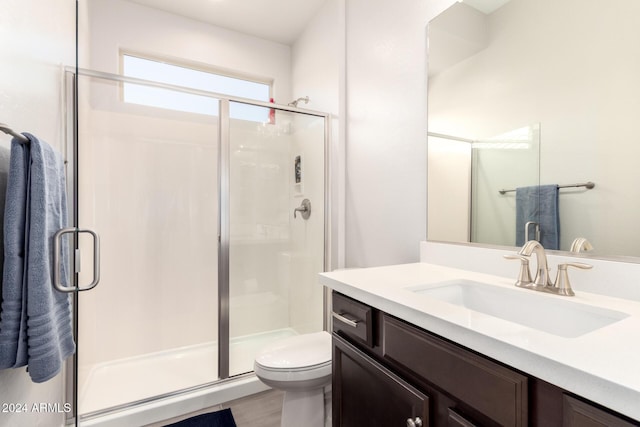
(35, 319)
(538, 204)
(13, 316)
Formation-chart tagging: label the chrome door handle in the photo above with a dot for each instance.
(57, 281)
(416, 422)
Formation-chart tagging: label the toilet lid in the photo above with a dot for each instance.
(295, 352)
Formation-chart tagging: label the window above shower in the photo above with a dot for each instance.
(192, 78)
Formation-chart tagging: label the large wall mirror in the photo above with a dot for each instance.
(535, 92)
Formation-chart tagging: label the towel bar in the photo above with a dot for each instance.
(588, 185)
(6, 129)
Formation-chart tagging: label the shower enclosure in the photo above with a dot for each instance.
(202, 260)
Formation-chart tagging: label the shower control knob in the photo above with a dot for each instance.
(304, 209)
(415, 422)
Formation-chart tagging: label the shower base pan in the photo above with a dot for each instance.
(125, 382)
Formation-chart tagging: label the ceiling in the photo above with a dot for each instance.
(281, 21)
(485, 6)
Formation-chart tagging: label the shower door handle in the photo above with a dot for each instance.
(57, 280)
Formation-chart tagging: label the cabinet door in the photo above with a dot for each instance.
(365, 394)
(580, 414)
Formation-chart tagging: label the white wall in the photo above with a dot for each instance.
(582, 88)
(459, 32)
(36, 38)
(386, 131)
(117, 24)
(317, 64)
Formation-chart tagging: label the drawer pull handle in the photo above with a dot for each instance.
(352, 323)
(416, 422)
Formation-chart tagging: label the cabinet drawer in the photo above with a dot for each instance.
(353, 319)
(493, 390)
(580, 414)
(457, 420)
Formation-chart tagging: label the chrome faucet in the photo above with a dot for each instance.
(542, 282)
(542, 275)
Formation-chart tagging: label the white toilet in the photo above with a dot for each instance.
(301, 367)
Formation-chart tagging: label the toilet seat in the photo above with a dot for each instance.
(304, 359)
(319, 372)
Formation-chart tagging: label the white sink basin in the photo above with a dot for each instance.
(557, 315)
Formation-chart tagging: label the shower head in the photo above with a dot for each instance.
(295, 103)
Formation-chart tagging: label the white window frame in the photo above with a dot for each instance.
(191, 103)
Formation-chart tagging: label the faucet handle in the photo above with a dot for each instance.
(563, 286)
(524, 276)
(580, 244)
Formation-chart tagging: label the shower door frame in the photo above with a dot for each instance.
(71, 127)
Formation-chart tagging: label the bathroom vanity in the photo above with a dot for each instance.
(404, 357)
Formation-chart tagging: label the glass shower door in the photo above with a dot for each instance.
(148, 184)
(276, 160)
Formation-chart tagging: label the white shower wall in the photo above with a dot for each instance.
(448, 214)
(306, 257)
(259, 228)
(117, 25)
(150, 186)
(274, 256)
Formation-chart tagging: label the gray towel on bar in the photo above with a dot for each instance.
(538, 204)
(13, 318)
(4, 175)
(35, 321)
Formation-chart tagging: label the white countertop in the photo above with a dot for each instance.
(602, 366)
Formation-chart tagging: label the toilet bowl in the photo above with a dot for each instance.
(301, 367)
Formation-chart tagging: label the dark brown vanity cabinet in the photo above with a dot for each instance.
(489, 393)
(368, 394)
(387, 372)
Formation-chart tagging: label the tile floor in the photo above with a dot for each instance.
(262, 409)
